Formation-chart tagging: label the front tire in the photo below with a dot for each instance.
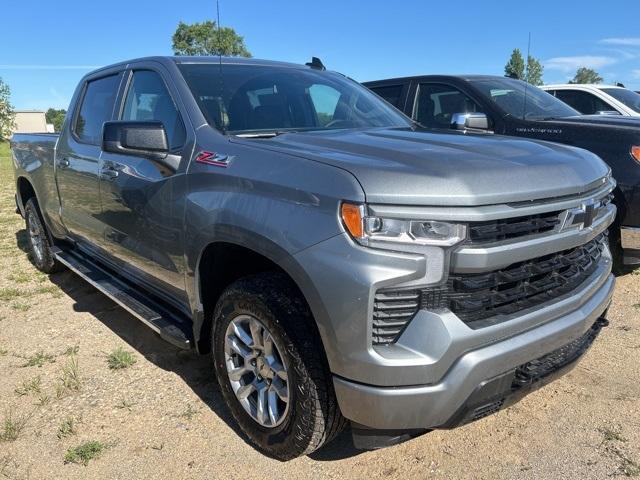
(271, 369)
(39, 241)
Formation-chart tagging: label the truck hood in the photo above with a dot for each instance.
(405, 167)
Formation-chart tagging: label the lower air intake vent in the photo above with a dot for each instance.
(392, 311)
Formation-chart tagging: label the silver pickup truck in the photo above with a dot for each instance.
(341, 263)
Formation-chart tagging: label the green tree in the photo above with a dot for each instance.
(586, 75)
(56, 117)
(516, 68)
(534, 71)
(7, 114)
(205, 39)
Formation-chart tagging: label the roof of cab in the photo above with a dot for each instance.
(203, 60)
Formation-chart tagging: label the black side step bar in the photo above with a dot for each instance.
(167, 325)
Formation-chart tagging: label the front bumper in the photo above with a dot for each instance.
(475, 380)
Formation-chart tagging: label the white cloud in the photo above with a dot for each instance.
(47, 67)
(567, 64)
(623, 41)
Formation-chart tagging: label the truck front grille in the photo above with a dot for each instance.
(474, 298)
(483, 299)
(506, 229)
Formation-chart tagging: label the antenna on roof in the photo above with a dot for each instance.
(316, 63)
(219, 32)
(526, 78)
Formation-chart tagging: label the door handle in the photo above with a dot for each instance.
(108, 173)
(63, 163)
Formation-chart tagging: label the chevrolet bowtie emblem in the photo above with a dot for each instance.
(582, 216)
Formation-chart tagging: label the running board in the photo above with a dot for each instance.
(149, 312)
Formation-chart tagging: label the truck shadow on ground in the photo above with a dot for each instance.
(196, 370)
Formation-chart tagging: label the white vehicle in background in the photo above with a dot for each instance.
(598, 99)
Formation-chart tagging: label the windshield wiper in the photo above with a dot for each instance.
(263, 134)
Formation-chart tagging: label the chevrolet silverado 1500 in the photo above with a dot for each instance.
(341, 263)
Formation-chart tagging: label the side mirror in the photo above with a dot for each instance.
(147, 139)
(608, 112)
(142, 139)
(470, 121)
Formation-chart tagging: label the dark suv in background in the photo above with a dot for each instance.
(490, 104)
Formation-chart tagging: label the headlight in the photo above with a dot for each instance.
(392, 233)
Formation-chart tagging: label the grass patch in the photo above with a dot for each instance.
(38, 359)
(637, 306)
(70, 379)
(125, 404)
(12, 426)
(21, 277)
(67, 428)
(610, 435)
(84, 453)
(9, 293)
(21, 306)
(189, 413)
(52, 290)
(29, 386)
(72, 350)
(3, 352)
(5, 151)
(120, 358)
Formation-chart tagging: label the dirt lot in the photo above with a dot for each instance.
(163, 417)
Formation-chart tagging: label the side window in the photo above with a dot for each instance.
(437, 103)
(391, 93)
(96, 108)
(325, 100)
(585, 102)
(149, 100)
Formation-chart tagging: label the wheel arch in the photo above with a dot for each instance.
(263, 255)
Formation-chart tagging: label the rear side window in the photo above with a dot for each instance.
(149, 100)
(96, 108)
(391, 93)
(585, 102)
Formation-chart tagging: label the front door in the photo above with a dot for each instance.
(143, 201)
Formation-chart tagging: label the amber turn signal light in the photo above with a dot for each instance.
(635, 153)
(352, 219)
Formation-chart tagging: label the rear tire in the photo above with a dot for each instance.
(39, 240)
(311, 416)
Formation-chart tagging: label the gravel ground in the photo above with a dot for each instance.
(162, 415)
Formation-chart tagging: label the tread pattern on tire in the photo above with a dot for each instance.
(50, 265)
(321, 419)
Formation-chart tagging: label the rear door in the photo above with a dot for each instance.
(78, 158)
(143, 201)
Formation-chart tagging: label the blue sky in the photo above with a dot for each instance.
(48, 46)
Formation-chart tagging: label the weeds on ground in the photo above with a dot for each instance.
(70, 379)
(12, 426)
(3, 352)
(9, 293)
(189, 413)
(84, 453)
(67, 427)
(120, 358)
(29, 386)
(125, 404)
(626, 466)
(21, 306)
(72, 350)
(39, 359)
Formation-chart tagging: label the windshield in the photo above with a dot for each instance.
(265, 98)
(509, 95)
(629, 98)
